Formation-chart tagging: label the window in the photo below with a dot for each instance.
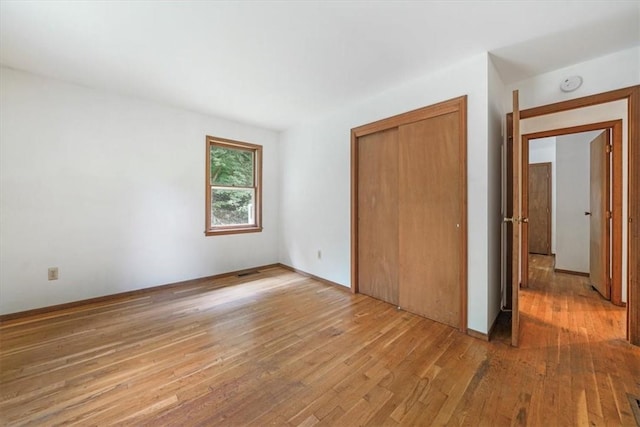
(233, 193)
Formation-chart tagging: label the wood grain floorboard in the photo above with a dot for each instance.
(279, 348)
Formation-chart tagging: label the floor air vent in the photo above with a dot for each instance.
(248, 273)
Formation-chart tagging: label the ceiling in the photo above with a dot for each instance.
(277, 63)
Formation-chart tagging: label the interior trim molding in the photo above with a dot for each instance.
(314, 277)
(575, 273)
(122, 295)
(478, 335)
(481, 335)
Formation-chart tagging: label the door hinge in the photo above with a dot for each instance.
(609, 148)
(608, 214)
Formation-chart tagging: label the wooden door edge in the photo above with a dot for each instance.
(616, 177)
(524, 231)
(464, 238)
(517, 229)
(550, 213)
(633, 201)
(354, 212)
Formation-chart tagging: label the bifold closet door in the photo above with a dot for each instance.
(430, 218)
(378, 215)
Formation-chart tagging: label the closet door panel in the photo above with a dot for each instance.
(378, 215)
(430, 218)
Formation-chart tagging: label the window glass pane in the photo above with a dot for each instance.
(232, 206)
(231, 167)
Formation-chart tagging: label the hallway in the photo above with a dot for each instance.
(571, 336)
(568, 300)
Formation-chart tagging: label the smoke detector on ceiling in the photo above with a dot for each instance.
(571, 83)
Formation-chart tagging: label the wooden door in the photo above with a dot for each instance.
(378, 215)
(517, 257)
(523, 219)
(540, 208)
(430, 218)
(599, 222)
(508, 250)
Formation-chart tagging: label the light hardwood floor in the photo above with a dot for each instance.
(277, 348)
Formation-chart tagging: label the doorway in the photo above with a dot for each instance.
(575, 182)
(576, 113)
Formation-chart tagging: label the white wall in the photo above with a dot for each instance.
(111, 190)
(543, 150)
(572, 154)
(315, 178)
(615, 71)
(495, 145)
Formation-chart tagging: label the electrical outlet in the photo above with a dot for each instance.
(53, 273)
(319, 254)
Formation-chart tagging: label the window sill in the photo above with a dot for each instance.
(239, 230)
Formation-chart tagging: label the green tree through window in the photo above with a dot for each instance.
(233, 178)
